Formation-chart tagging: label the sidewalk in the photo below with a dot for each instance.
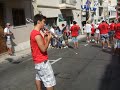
(4, 58)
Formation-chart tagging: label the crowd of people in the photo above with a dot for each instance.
(64, 34)
(106, 33)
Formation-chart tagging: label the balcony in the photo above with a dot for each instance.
(67, 4)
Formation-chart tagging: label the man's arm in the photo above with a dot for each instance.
(43, 47)
(6, 32)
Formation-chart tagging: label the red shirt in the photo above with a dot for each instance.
(112, 26)
(37, 55)
(103, 27)
(74, 30)
(117, 31)
(92, 29)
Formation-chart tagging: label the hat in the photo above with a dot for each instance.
(7, 24)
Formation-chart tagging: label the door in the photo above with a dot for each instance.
(2, 40)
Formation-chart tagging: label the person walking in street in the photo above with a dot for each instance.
(97, 33)
(117, 38)
(75, 32)
(88, 28)
(7, 35)
(53, 28)
(39, 42)
(103, 27)
(65, 35)
(93, 33)
(59, 39)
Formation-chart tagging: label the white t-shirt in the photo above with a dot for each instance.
(52, 30)
(88, 28)
(7, 30)
(97, 30)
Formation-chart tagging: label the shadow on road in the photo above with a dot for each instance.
(97, 46)
(111, 78)
(13, 61)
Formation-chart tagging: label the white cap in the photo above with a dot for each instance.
(7, 24)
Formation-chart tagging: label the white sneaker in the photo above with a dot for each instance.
(96, 42)
(88, 41)
(93, 40)
(66, 47)
(103, 48)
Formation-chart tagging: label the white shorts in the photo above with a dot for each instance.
(45, 73)
(97, 35)
(116, 43)
(9, 44)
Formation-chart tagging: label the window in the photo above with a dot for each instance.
(18, 17)
(63, 1)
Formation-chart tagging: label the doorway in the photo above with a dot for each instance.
(2, 39)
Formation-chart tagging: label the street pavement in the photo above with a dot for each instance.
(90, 69)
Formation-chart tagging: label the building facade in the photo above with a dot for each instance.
(57, 11)
(98, 10)
(89, 9)
(118, 8)
(112, 11)
(16, 12)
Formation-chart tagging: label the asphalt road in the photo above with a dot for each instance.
(90, 69)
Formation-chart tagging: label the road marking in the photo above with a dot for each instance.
(85, 44)
(54, 61)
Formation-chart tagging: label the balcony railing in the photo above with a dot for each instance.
(69, 2)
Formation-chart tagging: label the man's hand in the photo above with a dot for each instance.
(49, 35)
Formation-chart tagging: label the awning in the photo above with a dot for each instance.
(67, 6)
(49, 12)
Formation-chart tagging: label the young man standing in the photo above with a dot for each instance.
(97, 33)
(39, 42)
(103, 27)
(88, 28)
(112, 31)
(7, 34)
(75, 32)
